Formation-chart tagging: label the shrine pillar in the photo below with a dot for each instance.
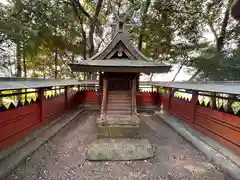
(104, 99)
(134, 110)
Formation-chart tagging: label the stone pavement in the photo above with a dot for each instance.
(63, 157)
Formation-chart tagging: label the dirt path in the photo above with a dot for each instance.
(62, 158)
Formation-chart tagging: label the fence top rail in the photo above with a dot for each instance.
(228, 87)
(31, 83)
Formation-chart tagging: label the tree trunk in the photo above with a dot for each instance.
(84, 40)
(24, 67)
(143, 27)
(222, 35)
(151, 76)
(44, 74)
(19, 66)
(56, 64)
(78, 7)
(220, 44)
(92, 27)
(19, 59)
(180, 68)
(195, 75)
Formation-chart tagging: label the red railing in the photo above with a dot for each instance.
(25, 114)
(23, 111)
(196, 109)
(28, 111)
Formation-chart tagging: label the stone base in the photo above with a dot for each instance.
(119, 150)
(118, 131)
(121, 126)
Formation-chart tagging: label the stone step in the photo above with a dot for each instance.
(118, 106)
(120, 103)
(125, 103)
(115, 96)
(119, 92)
(119, 149)
(122, 120)
(118, 131)
(129, 97)
(119, 97)
(118, 112)
(119, 109)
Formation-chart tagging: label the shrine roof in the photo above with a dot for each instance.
(123, 37)
(119, 65)
(120, 55)
(121, 62)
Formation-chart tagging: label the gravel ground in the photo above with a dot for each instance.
(62, 157)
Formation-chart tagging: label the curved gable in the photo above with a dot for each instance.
(121, 41)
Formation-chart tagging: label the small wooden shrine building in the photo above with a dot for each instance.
(119, 65)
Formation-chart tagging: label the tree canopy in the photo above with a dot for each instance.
(39, 38)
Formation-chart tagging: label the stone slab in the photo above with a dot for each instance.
(119, 120)
(119, 150)
(119, 131)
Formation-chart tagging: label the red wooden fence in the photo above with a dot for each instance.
(16, 123)
(181, 109)
(85, 97)
(19, 122)
(221, 126)
(147, 98)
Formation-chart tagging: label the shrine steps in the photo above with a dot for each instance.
(119, 103)
(119, 132)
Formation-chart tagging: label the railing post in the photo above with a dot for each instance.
(170, 94)
(104, 98)
(193, 105)
(1, 98)
(41, 103)
(106, 94)
(66, 97)
(134, 96)
(158, 101)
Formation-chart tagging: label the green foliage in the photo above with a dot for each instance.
(218, 66)
(53, 33)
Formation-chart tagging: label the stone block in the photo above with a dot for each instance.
(118, 131)
(119, 150)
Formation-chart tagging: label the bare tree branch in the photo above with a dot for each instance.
(92, 27)
(78, 8)
(222, 35)
(144, 19)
